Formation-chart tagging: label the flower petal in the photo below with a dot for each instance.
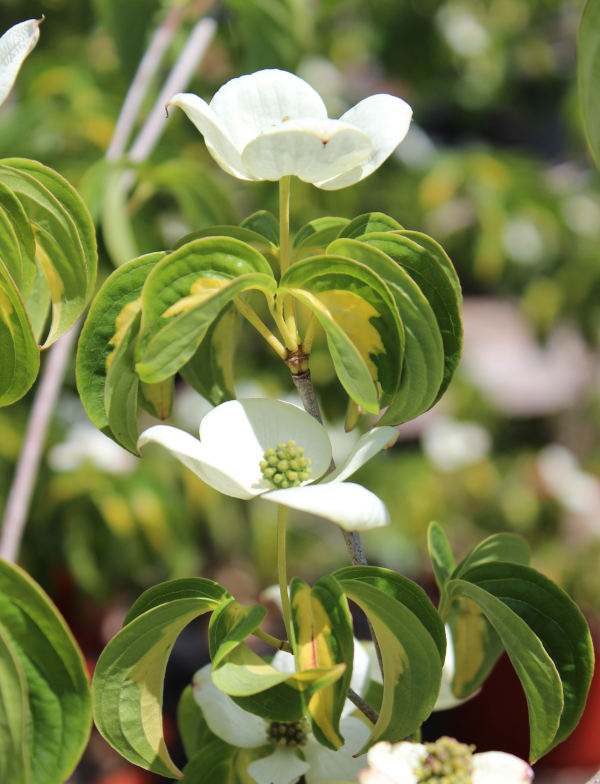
(214, 469)
(497, 767)
(328, 765)
(224, 718)
(446, 697)
(385, 119)
(351, 506)
(217, 141)
(360, 675)
(312, 149)
(16, 43)
(399, 761)
(254, 103)
(367, 446)
(282, 766)
(240, 431)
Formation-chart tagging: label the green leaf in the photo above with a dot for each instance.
(360, 319)
(423, 366)
(210, 370)
(316, 235)
(219, 763)
(588, 74)
(430, 268)
(121, 389)
(128, 682)
(498, 547)
(64, 236)
(440, 553)
(18, 347)
(45, 711)
(157, 399)
(322, 639)
(558, 625)
(412, 641)
(186, 292)
(107, 323)
(264, 223)
(115, 216)
(241, 233)
(369, 222)
(17, 245)
(254, 684)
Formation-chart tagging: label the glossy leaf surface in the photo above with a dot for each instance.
(45, 710)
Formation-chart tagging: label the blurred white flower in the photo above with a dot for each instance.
(463, 32)
(292, 749)
(15, 45)
(86, 444)
(275, 450)
(452, 445)
(523, 240)
(446, 759)
(270, 124)
(563, 478)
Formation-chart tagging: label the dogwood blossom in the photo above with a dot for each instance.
(447, 759)
(234, 450)
(292, 750)
(271, 124)
(16, 43)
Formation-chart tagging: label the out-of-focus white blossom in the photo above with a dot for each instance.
(452, 445)
(85, 444)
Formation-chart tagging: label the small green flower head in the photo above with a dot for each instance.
(447, 762)
(288, 733)
(285, 466)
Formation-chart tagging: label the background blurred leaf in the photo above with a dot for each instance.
(588, 74)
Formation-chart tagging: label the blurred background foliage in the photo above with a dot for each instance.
(494, 167)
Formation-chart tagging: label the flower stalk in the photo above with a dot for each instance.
(282, 570)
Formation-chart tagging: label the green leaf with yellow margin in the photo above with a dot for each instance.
(429, 266)
(315, 236)
(128, 681)
(121, 389)
(412, 642)
(254, 684)
(361, 322)
(440, 554)
(18, 347)
(45, 710)
(64, 236)
(369, 222)
(210, 370)
(547, 641)
(186, 292)
(423, 366)
(323, 638)
(108, 321)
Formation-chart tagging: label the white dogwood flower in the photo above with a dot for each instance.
(271, 124)
(292, 750)
(410, 763)
(16, 43)
(275, 450)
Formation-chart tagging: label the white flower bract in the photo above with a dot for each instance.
(400, 763)
(234, 437)
(284, 765)
(16, 43)
(271, 124)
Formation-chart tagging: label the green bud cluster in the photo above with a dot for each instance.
(288, 733)
(286, 466)
(447, 762)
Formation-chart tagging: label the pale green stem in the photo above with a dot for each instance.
(274, 642)
(277, 313)
(282, 570)
(284, 223)
(258, 324)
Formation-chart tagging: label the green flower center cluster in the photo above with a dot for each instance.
(447, 762)
(286, 466)
(288, 733)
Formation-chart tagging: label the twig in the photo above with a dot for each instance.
(141, 81)
(186, 64)
(46, 394)
(363, 706)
